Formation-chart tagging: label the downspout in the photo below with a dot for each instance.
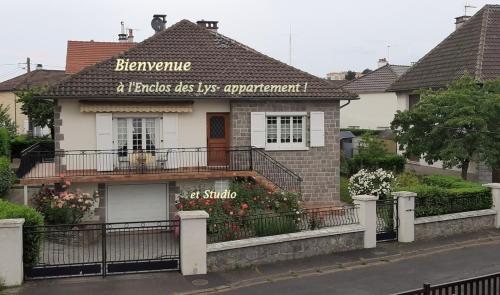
(346, 104)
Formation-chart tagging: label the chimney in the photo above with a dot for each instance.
(130, 37)
(39, 66)
(382, 62)
(208, 24)
(122, 37)
(459, 21)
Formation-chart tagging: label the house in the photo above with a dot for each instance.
(38, 78)
(184, 109)
(473, 48)
(376, 107)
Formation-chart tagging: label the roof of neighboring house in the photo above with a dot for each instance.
(378, 80)
(34, 78)
(474, 47)
(215, 60)
(338, 83)
(81, 54)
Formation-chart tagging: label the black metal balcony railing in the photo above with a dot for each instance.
(37, 163)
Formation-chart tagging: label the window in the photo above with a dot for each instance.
(285, 131)
(136, 134)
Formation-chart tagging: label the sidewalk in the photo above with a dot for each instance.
(275, 277)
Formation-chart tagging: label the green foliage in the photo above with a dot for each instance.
(274, 225)
(361, 132)
(39, 111)
(21, 142)
(31, 217)
(437, 195)
(4, 143)
(407, 179)
(453, 125)
(350, 75)
(6, 121)
(344, 190)
(7, 177)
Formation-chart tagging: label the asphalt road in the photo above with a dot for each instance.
(390, 277)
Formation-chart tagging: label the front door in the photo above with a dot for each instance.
(217, 138)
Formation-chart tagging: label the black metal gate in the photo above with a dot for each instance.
(100, 249)
(387, 220)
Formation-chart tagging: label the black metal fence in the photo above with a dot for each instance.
(484, 285)
(431, 206)
(44, 152)
(100, 249)
(269, 224)
(37, 163)
(387, 219)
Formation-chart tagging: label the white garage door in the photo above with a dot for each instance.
(136, 202)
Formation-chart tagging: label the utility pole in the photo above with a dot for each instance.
(28, 64)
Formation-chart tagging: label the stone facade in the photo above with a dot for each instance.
(319, 167)
(223, 260)
(453, 224)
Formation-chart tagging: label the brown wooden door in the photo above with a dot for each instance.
(217, 138)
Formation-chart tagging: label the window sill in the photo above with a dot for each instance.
(304, 148)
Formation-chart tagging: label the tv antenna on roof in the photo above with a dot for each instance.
(466, 6)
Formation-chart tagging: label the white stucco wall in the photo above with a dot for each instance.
(371, 111)
(80, 131)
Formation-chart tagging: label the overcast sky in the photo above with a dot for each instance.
(327, 35)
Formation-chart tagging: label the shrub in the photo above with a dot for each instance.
(389, 162)
(269, 225)
(4, 143)
(438, 195)
(21, 142)
(59, 206)
(376, 183)
(31, 218)
(344, 190)
(407, 179)
(7, 177)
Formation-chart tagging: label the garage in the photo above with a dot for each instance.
(136, 202)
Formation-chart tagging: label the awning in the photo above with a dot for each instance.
(135, 107)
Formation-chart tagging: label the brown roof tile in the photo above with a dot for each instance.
(215, 59)
(34, 78)
(81, 54)
(474, 48)
(378, 80)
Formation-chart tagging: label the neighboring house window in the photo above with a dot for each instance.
(285, 131)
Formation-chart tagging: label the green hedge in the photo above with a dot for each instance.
(389, 162)
(7, 177)
(438, 195)
(21, 142)
(4, 143)
(32, 217)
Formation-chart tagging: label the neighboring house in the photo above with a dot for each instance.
(190, 108)
(376, 107)
(37, 78)
(81, 54)
(474, 48)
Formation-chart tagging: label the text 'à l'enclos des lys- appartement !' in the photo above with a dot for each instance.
(125, 65)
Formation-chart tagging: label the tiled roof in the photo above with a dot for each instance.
(474, 48)
(337, 83)
(81, 54)
(215, 59)
(378, 80)
(32, 79)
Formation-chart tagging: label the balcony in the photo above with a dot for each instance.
(40, 165)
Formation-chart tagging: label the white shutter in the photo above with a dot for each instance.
(317, 129)
(104, 134)
(170, 127)
(258, 129)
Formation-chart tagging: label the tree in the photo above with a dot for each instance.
(6, 121)
(456, 125)
(40, 112)
(366, 71)
(350, 75)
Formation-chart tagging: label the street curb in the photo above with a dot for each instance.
(308, 272)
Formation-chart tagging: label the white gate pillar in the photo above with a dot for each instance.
(495, 193)
(367, 213)
(406, 215)
(193, 244)
(11, 251)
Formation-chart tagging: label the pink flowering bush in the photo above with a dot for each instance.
(61, 206)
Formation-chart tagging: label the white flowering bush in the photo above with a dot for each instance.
(375, 183)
